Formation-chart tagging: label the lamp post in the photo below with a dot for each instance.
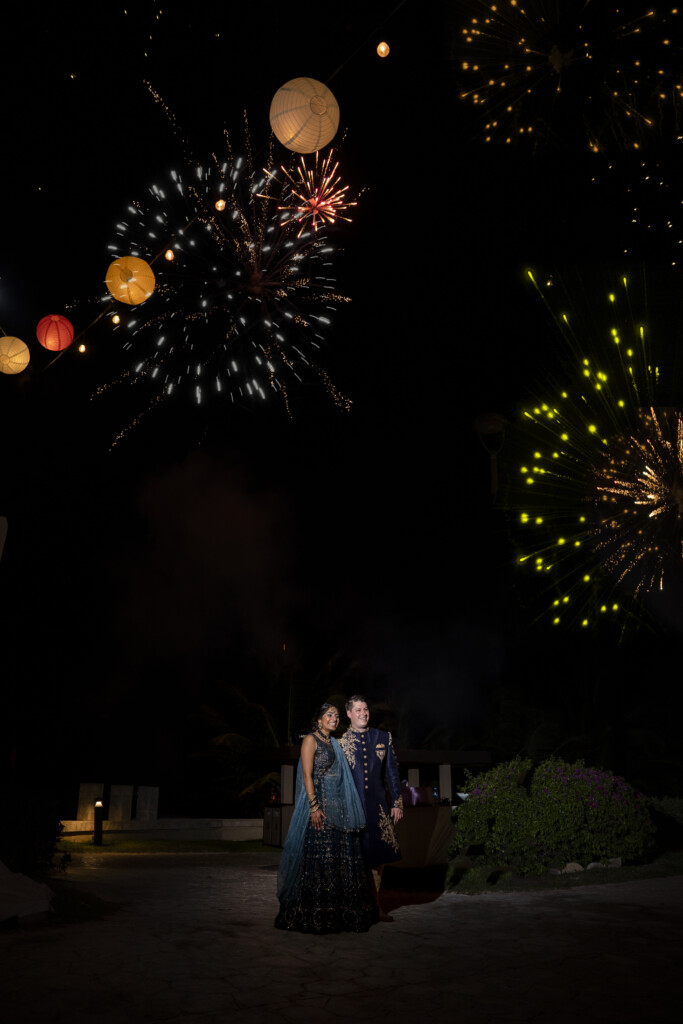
(491, 430)
(97, 832)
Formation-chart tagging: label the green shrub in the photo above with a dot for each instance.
(496, 814)
(569, 812)
(477, 878)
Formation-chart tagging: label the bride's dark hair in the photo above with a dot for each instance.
(320, 712)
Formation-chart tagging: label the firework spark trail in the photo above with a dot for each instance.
(647, 192)
(600, 490)
(544, 67)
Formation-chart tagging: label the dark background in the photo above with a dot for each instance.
(217, 574)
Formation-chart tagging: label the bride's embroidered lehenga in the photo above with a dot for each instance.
(323, 883)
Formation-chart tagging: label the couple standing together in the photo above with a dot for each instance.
(342, 828)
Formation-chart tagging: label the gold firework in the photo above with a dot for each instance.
(640, 494)
(587, 69)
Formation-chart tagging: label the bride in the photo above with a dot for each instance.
(323, 883)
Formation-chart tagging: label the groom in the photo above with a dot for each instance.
(374, 768)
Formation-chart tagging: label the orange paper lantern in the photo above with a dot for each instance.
(130, 280)
(14, 354)
(304, 115)
(55, 332)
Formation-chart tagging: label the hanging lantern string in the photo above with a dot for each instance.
(111, 301)
(365, 42)
(78, 336)
(177, 131)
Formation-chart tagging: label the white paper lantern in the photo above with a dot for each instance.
(14, 354)
(304, 115)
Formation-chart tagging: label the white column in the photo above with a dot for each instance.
(120, 803)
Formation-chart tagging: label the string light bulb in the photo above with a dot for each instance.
(220, 205)
(383, 49)
(169, 255)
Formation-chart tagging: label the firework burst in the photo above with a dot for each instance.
(317, 196)
(547, 69)
(243, 301)
(599, 492)
(640, 489)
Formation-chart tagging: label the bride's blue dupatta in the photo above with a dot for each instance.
(343, 810)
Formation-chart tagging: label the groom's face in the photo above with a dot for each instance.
(359, 715)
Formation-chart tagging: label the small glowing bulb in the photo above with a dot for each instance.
(81, 347)
(383, 49)
(116, 319)
(169, 255)
(220, 204)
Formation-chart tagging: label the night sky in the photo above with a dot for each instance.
(237, 547)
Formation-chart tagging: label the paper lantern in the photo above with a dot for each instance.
(55, 332)
(304, 115)
(130, 280)
(14, 354)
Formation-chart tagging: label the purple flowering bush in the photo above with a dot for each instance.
(559, 812)
(587, 814)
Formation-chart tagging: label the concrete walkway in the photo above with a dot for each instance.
(193, 942)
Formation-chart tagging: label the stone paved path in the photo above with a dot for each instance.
(193, 942)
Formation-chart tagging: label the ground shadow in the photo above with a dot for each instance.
(402, 887)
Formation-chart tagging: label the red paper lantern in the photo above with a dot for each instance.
(55, 332)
